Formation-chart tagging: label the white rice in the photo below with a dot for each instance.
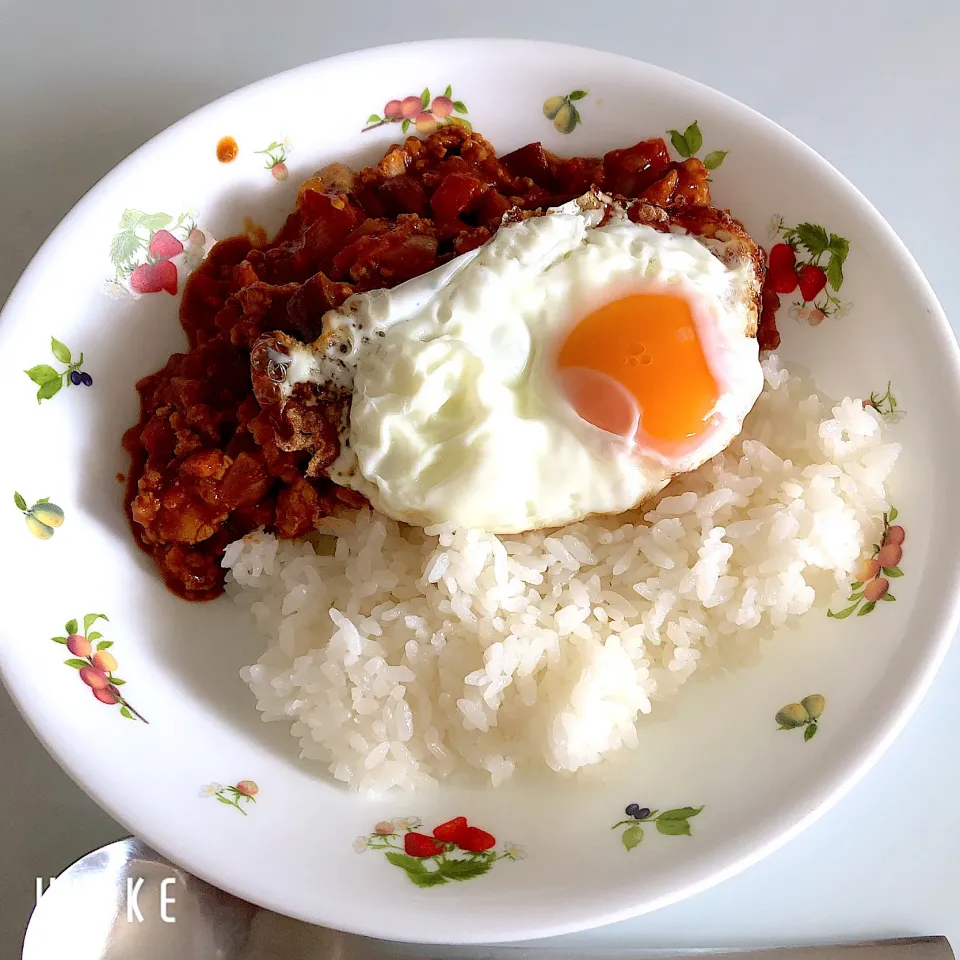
(400, 656)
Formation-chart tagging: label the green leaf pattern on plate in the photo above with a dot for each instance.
(235, 796)
(886, 405)
(276, 162)
(670, 823)
(689, 142)
(49, 381)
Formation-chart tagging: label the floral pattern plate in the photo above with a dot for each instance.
(731, 770)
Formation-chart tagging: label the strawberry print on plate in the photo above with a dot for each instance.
(808, 262)
(154, 253)
(455, 850)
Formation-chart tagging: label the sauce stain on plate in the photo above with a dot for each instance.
(227, 150)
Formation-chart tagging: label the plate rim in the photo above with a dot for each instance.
(830, 789)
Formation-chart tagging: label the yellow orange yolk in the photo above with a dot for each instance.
(640, 355)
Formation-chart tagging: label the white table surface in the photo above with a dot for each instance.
(873, 85)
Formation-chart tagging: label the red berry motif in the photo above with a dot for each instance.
(276, 154)
(154, 277)
(420, 845)
(812, 281)
(244, 792)
(812, 259)
(143, 251)
(145, 280)
(167, 275)
(782, 272)
(393, 110)
(887, 406)
(455, 852)
(453, 831)
(476, 840)
(164, 245)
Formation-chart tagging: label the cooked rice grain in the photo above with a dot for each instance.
(401, 655)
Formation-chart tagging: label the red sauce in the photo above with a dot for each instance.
(207, 463)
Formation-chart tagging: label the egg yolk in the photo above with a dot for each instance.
(639, 358)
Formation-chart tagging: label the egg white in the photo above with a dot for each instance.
(456, 415)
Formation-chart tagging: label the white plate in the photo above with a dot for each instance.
(293, 849)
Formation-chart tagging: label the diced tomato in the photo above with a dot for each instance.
(457, 194)
(533, 162)
(630, 171)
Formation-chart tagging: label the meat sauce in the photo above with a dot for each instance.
(208, 464)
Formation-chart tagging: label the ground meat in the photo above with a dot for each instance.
(209, 462)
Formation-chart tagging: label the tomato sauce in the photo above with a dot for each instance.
(208, 465)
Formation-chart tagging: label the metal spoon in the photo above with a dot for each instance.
(126, 902)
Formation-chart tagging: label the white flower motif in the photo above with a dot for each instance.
(113, 289)
(210, 789)
(192, 257)
(361, 844)
(774, 226)
(403, 824)
(514, 851)
(797, 312)
(844, 309)
(285, 143)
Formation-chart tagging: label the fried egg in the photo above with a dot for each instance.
(570, 366)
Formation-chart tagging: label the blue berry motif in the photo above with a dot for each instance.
(642, 820)
(49, 381)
